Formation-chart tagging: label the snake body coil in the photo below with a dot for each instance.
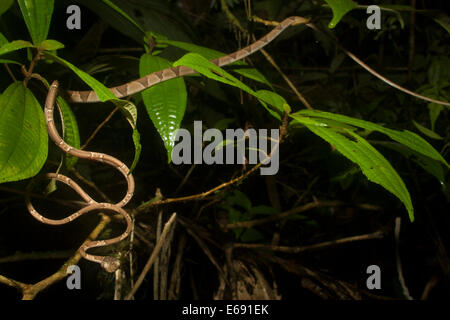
(111, 264)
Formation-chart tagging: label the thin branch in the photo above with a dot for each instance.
(152, 257)
(98, 128)
(401, 279)
(317, 246)
(283, 215)
(10, 72)
(268, 57)
(362, 64)
(29, 291)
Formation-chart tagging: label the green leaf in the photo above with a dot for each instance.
(210, 70)
(434, 110)
(240, 199)
(336, 62)
(37, 15)
(14, 45)
(429, 133)
(274, 99)
(104, 94)
(123, 14)
(405, 137)
(9, 61)
(443, 20)
(211, 54)
(51, 45)
(340, 9)
(355, 148)
(165, 102)
(23, 134)
(3, 40)
(137, 148)
(430, 165)
(5, 5)
(71, 133)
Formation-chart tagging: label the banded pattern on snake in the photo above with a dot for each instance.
(111, 264)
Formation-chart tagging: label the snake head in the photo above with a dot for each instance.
(110, 264)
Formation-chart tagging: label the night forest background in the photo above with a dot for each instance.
(310, 231)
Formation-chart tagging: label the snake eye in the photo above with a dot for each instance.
(110, 264)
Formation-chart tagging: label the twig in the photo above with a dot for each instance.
(362, 64)
(186, 177)
(90, 184)
(29, 291)
(283, 215)
(26, 256)
(152, 257)
(175, 279)
(98, 128)
(156, 264)
(401, 279)
(317, 246)
(269, 58)
(10, 72)
(203, 195)
(429, 286)
(72, 203)
(412, 15)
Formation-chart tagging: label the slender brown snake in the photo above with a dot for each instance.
(111, 264)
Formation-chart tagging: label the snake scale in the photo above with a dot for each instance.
(109, 263)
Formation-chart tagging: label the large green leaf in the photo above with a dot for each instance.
(340, 9)
(37, 15)
(14, 45)
(127, 108)
(355, 148)
(4, 5)
(165, 102)
(405, 137)
(71, 133)
(23, 134)
(210, 54)
(210, 70)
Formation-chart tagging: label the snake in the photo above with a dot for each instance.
(109, 263)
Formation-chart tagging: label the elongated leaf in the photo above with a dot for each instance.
(9, 61)
(405, 137)
(37, 15)
(14, 45)
(274, 99)
(432, 166)
(71, 133)
(104, 94)
(165, 102)
(23, 134)
(3, 40)
(355, 148)
(211, 54)
(340, 9)
(210, 70)
(4, 5)
(429, 133)
(51, 45)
